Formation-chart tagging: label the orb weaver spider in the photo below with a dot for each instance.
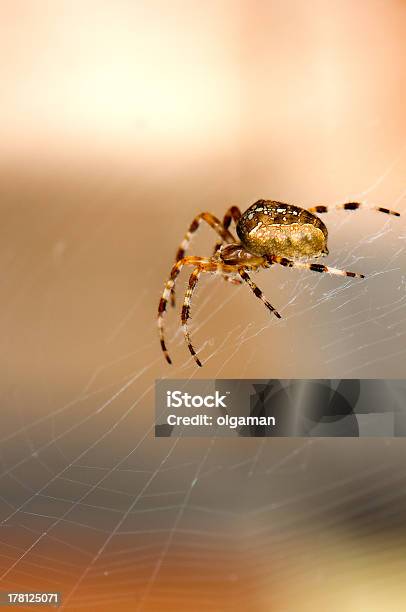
(269, 233)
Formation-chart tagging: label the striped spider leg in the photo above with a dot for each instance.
(315, 267)
(202, 264)
(222, 268)
(214, 223)
(257, 292)
(205, 264)
(352, 206)
(169, 291)
(232, 214)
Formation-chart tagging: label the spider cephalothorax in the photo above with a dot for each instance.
(270, 233)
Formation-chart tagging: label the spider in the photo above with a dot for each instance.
(269, 233)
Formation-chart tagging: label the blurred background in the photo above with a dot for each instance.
(120, 121)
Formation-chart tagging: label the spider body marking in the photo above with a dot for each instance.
(269, 233)
(274, 228)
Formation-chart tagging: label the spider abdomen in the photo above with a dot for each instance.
(284, 230)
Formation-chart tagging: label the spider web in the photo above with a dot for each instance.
(94, 506)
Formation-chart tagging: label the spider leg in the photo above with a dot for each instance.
(194, 277)
(233, 213)
(214, 223)
(352, 206)
(311, 266)
(169, 285)
(204, 264)
(257, 291)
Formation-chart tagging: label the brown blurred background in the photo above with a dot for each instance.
(120, 121)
